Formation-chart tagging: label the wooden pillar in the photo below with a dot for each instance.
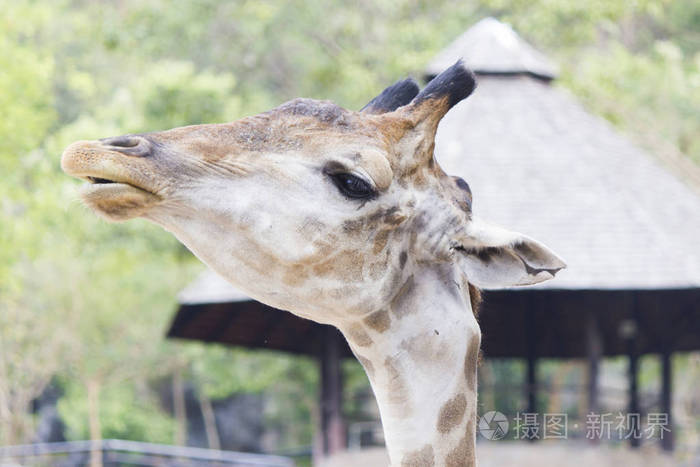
(666, 399)
(531, 371)
(531, 387)
(629, 330)
(332, 425)
(634, 408)
(594, 351)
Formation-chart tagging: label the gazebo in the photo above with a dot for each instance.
(537, 162)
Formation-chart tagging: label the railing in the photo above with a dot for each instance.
(115, 452)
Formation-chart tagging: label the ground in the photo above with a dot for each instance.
(541, 454)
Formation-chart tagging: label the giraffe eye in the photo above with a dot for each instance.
(352, 186)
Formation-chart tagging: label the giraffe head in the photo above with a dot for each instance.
(310, 207)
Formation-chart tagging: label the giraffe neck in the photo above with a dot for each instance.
(420, 356)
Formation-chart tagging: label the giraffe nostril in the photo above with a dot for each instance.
(121, 141)
(130, 145)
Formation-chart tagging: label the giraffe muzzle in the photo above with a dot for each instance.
(122, 179)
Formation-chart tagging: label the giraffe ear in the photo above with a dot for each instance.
(393, 97)
(491, 256)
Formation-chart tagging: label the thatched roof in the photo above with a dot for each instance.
(493, 48)
(537, 162)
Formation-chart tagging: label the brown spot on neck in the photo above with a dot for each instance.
(423, 457)
(452, 413)
(358, 336)
(366, 364)
(399, 302)
(346, 265)
(471, 361)
(380, 241)
(295, 275)
(474, 298)
(397, 389)
(461, 456)
(471, 437)
(425, 348)
(379, 320)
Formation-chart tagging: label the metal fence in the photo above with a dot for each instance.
(118, 453)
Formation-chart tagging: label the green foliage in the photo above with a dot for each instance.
(683, 23)
(292, 403)
(221, 371)
(634, 90)
(175, 94)
(127, 410)
(552, 21)
(357, 388)
(25, 81)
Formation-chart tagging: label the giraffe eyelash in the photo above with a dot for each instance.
(353, 186)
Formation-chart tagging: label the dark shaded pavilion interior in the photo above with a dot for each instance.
(526, 324)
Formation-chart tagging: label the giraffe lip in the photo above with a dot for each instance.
(118, 201)
(96, 183)
(99, 181)
(113, 193)
(112, 188)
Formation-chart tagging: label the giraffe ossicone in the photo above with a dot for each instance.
(344, 218)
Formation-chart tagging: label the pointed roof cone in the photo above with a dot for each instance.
(491, 47)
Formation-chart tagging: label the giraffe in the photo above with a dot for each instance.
(344, 218)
